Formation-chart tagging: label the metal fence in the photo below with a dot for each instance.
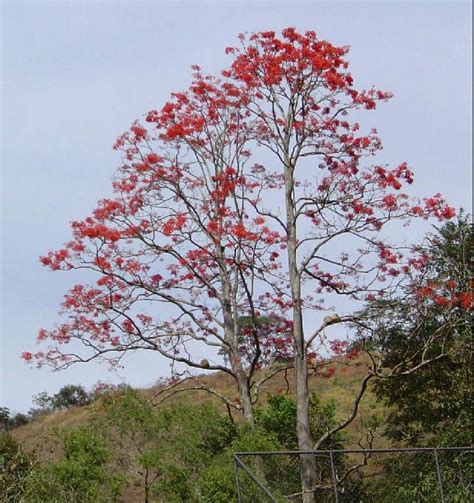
(357, 476)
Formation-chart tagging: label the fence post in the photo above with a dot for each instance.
(244, 467)
(237, 480)
(334, 476)
(438, 474)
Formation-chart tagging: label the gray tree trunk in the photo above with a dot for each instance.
(305, 443)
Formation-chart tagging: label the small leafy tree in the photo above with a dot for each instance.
(17, 420)
(43, 400)
(275, 431)
(167, 447)
(133, 430)
(433, 406)
(70, 395)
(79, 475)
(279, 418)
(4, 418)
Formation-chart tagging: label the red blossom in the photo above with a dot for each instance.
(240, 231)
(439, 300)
(388, 256)
(424, 292)
(174, 224)
(390, 202)
(438, 207)
(153, 158)
(27, 356)
(451, 284)
(465, 299)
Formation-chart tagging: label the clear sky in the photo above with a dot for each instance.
(76, 74)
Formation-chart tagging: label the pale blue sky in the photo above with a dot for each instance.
(76, 74)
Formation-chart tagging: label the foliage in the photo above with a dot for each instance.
(78, 475)
(196, 436)
(408, 477)
(9, 422)
(434, 404)
(181, 452)
(166, 448)
(15, 467)
(18, 419)
(217, 480)
(184, 453)
(71, 395)
(278, 418)
(4, 417)
(274, 431)
(134, 431)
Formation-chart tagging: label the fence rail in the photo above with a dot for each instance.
(434, 474)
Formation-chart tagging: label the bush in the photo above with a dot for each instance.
(79, 475)
(15, 467)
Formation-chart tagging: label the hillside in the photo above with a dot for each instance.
(341, 388)
(123, 448)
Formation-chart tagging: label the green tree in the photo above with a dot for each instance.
(275, 431)
(70, 395)
(4, 418)
(17, 420)
(79, 475)
(278, 417)
(433, 405)
(164, 448)
(134, 432)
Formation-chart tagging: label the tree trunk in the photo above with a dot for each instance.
(305, 443)
(245, 398)
(147, 488)
(230, 315)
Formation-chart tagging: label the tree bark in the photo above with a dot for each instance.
(305, 443)
(231, 335)
(245, 398)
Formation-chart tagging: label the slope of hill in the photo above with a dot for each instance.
(341, 387)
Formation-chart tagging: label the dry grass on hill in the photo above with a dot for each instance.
(341, 387)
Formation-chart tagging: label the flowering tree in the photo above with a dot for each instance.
(334, 208)
(244, 197)
(178, 254)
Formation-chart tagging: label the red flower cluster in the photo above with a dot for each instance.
(174, 224)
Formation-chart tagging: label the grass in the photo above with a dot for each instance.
(341, 388)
